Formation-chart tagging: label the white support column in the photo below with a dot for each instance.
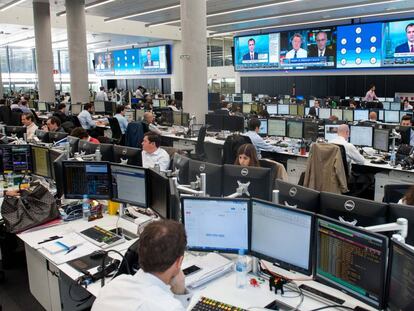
(44, 54)
(177, 70)
(78, 58)
(1, 83)
(194, 57)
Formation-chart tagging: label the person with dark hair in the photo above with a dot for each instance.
(53, 125)
(23, 106)
(172, 105)
(60, 113)
(312, 110)
(251, 55)
(152, 154)
(85, 117)
(160, 283)
(83, 134)
(408, 198)
(101, 95)
(406, 105)
(407, 47)
(370, 96)
(247, 156)
(120, 116)
(406, 120)
(257, 141)
(149, 121)
(149, 62)
(28, 122)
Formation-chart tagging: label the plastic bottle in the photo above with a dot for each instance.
(392, 158)
(86, 207)
(98, 154)
(241, 270)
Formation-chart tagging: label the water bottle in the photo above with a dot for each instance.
(392, 158)
(241, 270)
(86, 208)
(98, 154)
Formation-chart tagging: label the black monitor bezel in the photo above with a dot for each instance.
(111, 164)
(80, 196)
(332, 283)
(278, 262)
(249, 218)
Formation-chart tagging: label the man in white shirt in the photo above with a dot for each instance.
(407, 105)
(28, 122)
(152, 154)
(149, 120)
(257, 141)
(297, 51)
(138, 93)
(352, 154)
(101, 96)
(160, 283)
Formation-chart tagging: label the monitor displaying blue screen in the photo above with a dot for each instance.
(398, 44)
(359, 46)
(126, 62)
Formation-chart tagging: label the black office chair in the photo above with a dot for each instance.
(116, 130)
(344, 160)
(36, 118)
(5, 114)
(231, 146)
(200, 153)
(393, 193)
(15, 118)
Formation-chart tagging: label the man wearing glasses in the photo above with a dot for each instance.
(321, 50)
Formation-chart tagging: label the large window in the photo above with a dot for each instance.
(21, 60)
(219, 52)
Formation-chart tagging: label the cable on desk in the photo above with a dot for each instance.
(333, 306)
(103, 264)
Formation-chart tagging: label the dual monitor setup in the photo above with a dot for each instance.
(349, 258)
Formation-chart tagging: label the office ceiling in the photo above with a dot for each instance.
(279, 13)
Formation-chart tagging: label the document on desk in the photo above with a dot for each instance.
(212, 266)
(70, 247)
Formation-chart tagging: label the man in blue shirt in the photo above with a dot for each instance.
(85, 117)
(120, 116)
(257, 141)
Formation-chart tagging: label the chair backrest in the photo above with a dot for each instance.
(5, 114)
(37, 120)
(115, 128)
(75, 121)
(134, 134)
(393, 193)
(231, 145)
(278, 170)
(199, 147)
(16, 118)
(344, 160)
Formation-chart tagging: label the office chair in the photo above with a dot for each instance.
(116, 130)
(231, 146)
(344, 160)
(278, 170)
(393, 193)
(37, 121)
(16, 118)
(200, 153)
(5, 114)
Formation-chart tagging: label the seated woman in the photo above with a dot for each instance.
(81, 133)
(408, 198)
(247, 156)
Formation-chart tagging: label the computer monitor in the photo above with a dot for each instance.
(338, 113)
(293, 109)
(185, 118)
(107, 152)
(282, 235)
(163, 103)
(181, 163)
(310, 130)
(381, 115)
(73, 144)
(15, 159)
(283, 109)
(403, 211)
(324, 113)
(301, 110)
(246, 108)
(395, 106)
(361, 114)
(271, 109)
(381, 139)
(177, 118)
(160, 195)
(247, 98)
(386, 105)
(155, 103)
(214, 122)
(233, 123)
(57, 136)
(276, 127)
(294, 129)
(311, 102)
(54, 154)
(298, 196)
(263, 127)
(129, 184)
(130, 115)
(110, 107)
(132, 155)
(214, 175)
(348, 115)
(42, 135)
(42, 106)
(87, 147)
(58, 173)
(75, 108)
(361, 135)
(99, 107)
(17, 131)
(139, 114)
(260, 179)
(41, 161)
(331, 131)
(90, 178)
(400, 288)
(216, 224)
(352, 209)
(351, 259)
(391, 116)
(403, 113)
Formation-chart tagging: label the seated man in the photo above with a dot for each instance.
(120, 116)
(53, 125)
(28, 122)
(352, 154)
(60, 113)
(149, 121)
(159, 284)
(373, 117)
(257, 141)
(406, 120)
(152, 154)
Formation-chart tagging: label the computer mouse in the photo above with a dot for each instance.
(97, 254)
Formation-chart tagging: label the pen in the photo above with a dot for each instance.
(71, 249)
(52, 238)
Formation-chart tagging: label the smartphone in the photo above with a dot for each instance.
(190, 270)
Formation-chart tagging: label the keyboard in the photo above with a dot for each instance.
(207, 304)
(101, 237)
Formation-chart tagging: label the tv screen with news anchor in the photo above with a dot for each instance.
(398, 43)
(104, 63)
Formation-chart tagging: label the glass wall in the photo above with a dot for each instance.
(219, 52)
(21, 60)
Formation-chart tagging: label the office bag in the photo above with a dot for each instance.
(34, 207)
